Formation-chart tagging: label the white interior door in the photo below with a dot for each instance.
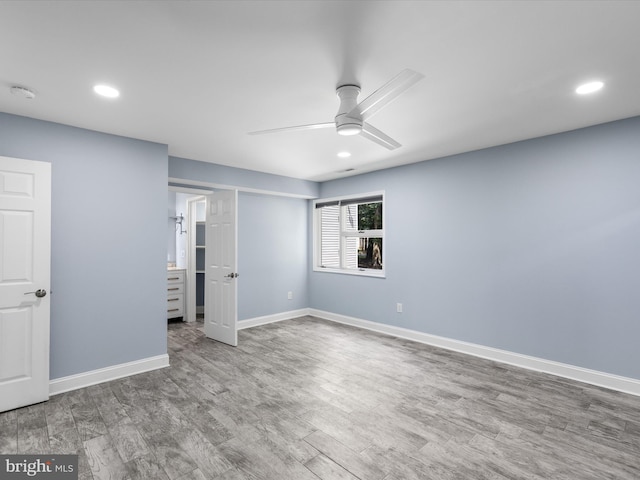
(220, 304)
(25, 252)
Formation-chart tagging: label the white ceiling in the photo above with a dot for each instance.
(199, 75)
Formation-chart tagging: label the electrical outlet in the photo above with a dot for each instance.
(399, 307)
(181, 253)
(290, 295)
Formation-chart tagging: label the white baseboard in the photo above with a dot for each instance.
(593, 377)
(93, 377)
(277, 317)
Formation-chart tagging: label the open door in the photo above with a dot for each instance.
(25, 251)
(220, 306)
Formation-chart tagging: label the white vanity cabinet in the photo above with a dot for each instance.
(175, 293)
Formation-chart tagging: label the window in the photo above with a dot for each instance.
(349, 234)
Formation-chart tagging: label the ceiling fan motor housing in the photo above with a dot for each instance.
(345, 125)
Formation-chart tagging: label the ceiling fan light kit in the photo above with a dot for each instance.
(351, 116)
(348, 129)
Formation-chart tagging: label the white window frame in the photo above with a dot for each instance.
(317, 235)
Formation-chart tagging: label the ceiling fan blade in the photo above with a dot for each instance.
(385, 94)
(312, 126)
(377, 136)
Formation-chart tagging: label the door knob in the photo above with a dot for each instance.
(232, 275)
(39, 293)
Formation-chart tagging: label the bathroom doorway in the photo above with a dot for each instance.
(204, 255)
(185, 248)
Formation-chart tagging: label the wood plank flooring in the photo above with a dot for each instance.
(309, 399)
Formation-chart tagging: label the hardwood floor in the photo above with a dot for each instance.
(309, 399)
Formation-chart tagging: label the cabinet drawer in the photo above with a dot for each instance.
(175, 276)
(175, 305)
(173, 288)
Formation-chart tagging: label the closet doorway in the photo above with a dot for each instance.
(196, 245)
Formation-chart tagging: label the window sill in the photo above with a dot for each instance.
(357, 273)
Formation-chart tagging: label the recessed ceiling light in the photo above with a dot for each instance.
(589, 87)
(106, 91)
(344, 154)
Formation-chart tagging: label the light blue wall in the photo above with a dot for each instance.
(186, 169)
(532, 247)
(272, 255)
(108, 242)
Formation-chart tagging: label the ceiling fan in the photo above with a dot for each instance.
(351, 116)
